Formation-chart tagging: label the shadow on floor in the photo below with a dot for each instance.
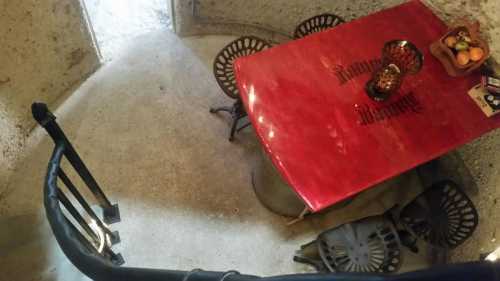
(29, 252)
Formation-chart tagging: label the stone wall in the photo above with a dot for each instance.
(46, 49)
(277, 19)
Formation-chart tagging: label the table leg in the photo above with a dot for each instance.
(272, 191)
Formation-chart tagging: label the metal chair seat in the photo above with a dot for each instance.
(368, 245)
(442, 215)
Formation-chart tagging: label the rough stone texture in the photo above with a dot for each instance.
(482, 157)
(276, 20)
(45, 50)
(485, 11)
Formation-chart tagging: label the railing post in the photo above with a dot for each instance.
(115, 258)
(46, 119)
(74, 213)
(113, 235)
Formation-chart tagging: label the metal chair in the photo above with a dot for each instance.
(317, 24)
(368, 245)
(224, 74)
(442, 215)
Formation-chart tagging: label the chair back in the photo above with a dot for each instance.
(317, 24)
(224, 61)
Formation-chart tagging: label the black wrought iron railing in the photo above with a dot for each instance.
(85, 248)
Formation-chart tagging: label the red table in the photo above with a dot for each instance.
(328, 139)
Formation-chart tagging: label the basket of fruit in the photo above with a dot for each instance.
(461, 50)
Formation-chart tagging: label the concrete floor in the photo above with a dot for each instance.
(141, 124)
(116, 22)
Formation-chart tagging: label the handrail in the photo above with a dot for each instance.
(99, 267)
(47, 120)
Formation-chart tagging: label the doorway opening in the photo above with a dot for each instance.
(115, 23)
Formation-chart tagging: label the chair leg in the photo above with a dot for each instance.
(244, 126)
(233, 129)
(222, 108)
(237, 112)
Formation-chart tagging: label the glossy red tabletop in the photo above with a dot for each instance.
(307, 103)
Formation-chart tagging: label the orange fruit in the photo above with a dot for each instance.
(463, 57)
(476, 53)
(450, 41)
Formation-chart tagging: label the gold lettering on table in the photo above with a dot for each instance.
(346, 74)
(369, 114)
